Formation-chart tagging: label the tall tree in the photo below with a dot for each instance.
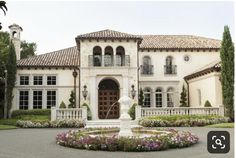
(183, 98)
(11, 77)
(28, 49)
(141, 97)
(3, 7)
(227, 72)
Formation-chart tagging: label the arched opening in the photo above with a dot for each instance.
(108, 95)
(14, 34)
(170, 97)
(158, 97)
(147, 97)
(97, 56)
(108, 58)
(120, 56)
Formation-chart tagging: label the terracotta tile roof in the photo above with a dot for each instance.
(108, 34)
(178, 42)
(68, 57)
(214, 66)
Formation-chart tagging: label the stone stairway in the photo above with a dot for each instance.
(108, 123)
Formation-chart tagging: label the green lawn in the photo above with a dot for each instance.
(222, 125)
(12, 121)
(3, 127)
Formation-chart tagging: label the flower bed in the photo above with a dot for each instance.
(50, 124)
(82, 139)
(182, 121)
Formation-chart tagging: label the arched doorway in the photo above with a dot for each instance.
(108, 95)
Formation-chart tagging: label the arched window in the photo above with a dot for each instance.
(147, 67)
(120, 56)
(170, 68)
(158, 97)
(108, 58)
(170, 97)
(97, 56)
(147, 97)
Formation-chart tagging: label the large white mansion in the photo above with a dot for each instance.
(110, 64)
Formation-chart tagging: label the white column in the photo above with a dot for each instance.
(153, 99)
(164, 95)
(30, 99)
(44, 97)
(53, 113)
(125, 85)
(93, 97)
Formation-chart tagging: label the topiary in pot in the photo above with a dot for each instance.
(131, 111)
(62, 105)
(207, 104)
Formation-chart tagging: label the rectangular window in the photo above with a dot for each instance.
(24, 100)
(147, 99)
(38, 80)
(51, 80)
(37, 99)
(24, 80)
(51, 99)
(159, 99)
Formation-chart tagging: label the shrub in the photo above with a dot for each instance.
(50, 124)
(62, 105)
(16, 113)
(89, 114)
(207, 104)
(131, 111)
(72, 100)
(181, 121)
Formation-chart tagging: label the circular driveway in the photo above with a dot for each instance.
(40, 143)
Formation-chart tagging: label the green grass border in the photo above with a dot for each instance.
(6, 127)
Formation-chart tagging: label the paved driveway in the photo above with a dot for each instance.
(40, 143)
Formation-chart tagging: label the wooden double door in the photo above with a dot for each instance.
(108, 96)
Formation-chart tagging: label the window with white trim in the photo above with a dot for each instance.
(147, 97)
(24, 80)
(51, 99)
(23, 99)
(51, 80)
(38, 80)
(158, 97)
(170, 97)
(37, 99)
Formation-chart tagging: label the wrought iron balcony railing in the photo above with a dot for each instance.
(170, 69)
(147, 69)
(108, 60)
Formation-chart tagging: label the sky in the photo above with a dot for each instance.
(53, 25)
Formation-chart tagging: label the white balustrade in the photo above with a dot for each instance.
(68, 114)
(167, 111)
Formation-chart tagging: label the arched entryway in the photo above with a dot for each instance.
(108, 95)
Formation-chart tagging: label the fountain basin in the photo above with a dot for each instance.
(142, 139)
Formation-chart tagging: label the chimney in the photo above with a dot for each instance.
(15, 31)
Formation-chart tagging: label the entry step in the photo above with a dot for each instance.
(108, 123)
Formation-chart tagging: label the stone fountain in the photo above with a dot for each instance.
(125, 119)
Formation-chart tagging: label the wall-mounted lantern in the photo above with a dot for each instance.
(133, 91)
(85, 92)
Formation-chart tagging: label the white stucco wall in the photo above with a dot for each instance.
(63, 87)
(159, 79)
(91, 76)
(210, 87)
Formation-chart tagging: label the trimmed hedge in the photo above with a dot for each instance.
(182, 121)
(17, 113)
(51, 124)
(131, 111)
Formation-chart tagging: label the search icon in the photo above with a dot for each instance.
(218, 142)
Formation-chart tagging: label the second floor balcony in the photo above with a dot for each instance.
(146, 69)
(170, 69)
(108, 60)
